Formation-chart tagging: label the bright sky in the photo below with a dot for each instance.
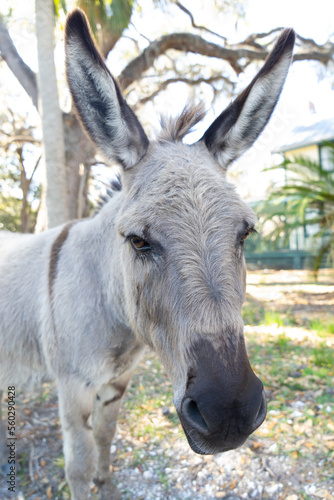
(307, 82)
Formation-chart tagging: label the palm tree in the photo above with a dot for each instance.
(108, 20)
(306, 200)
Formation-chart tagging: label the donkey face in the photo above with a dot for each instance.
(181, 229)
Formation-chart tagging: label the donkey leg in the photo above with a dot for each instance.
(105, 412)
(75, 407)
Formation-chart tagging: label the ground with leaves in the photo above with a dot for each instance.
(290, 338)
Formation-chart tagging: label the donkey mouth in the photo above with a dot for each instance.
(213, 446)
(230, 435)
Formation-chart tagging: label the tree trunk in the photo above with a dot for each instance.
(52, 125)
(79, 154)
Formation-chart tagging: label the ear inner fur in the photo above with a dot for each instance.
(239, 125)
(103, 111)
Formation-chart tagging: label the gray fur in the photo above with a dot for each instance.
(79, 303)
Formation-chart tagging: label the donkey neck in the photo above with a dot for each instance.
(105, 246)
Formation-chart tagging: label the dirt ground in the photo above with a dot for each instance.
(291, 457)
(296, 291)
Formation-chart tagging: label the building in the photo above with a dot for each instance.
(309, 140)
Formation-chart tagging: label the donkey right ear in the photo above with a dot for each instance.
(237, 128)
(108, 120)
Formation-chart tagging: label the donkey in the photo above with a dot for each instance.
(160, 265)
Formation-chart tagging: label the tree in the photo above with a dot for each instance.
(20, 158)
(141, 77)
(306, 200)
(53, 134)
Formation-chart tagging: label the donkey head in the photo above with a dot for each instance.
(180, 233)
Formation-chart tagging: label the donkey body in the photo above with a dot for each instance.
(160, 265)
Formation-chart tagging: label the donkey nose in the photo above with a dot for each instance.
(213, 417)
(193, 415)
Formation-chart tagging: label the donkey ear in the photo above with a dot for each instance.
(237, 128)
(105, 115)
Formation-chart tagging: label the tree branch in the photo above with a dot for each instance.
(185, 42)
(194, 25)
(238, 55)
(19, 139)
(26, 77)
(251, 39)
(35, 168)
(188, 81)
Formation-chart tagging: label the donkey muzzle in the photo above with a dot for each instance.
(222, 405)
(211, 430)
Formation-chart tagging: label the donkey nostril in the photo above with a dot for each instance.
(194, 416)
(261, 414)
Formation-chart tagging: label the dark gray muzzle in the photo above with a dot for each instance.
(224, 401)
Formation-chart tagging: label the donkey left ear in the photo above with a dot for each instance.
(105, 115)
(237, 128)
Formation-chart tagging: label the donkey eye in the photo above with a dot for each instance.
(245, 235)
(139, 243)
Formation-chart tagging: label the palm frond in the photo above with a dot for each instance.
(111, 15)
(306, 200)
(58, 5)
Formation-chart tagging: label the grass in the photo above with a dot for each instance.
(273, 317)
(60, 462)
(298, 376)
(283, 343)
(24, 461)
(323, 328)
(255, 314)
(323, 356)
(297, 368)
(149, 392)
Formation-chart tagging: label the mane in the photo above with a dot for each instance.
(175, 129)
(114, 186)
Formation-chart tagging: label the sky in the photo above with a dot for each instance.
(307, 82)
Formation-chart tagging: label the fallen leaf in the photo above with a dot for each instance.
(30, 493)
(255, 445)
(233, 484)
(322, 494)
(62, 485)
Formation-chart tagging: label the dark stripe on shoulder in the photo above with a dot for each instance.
(54, 256)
